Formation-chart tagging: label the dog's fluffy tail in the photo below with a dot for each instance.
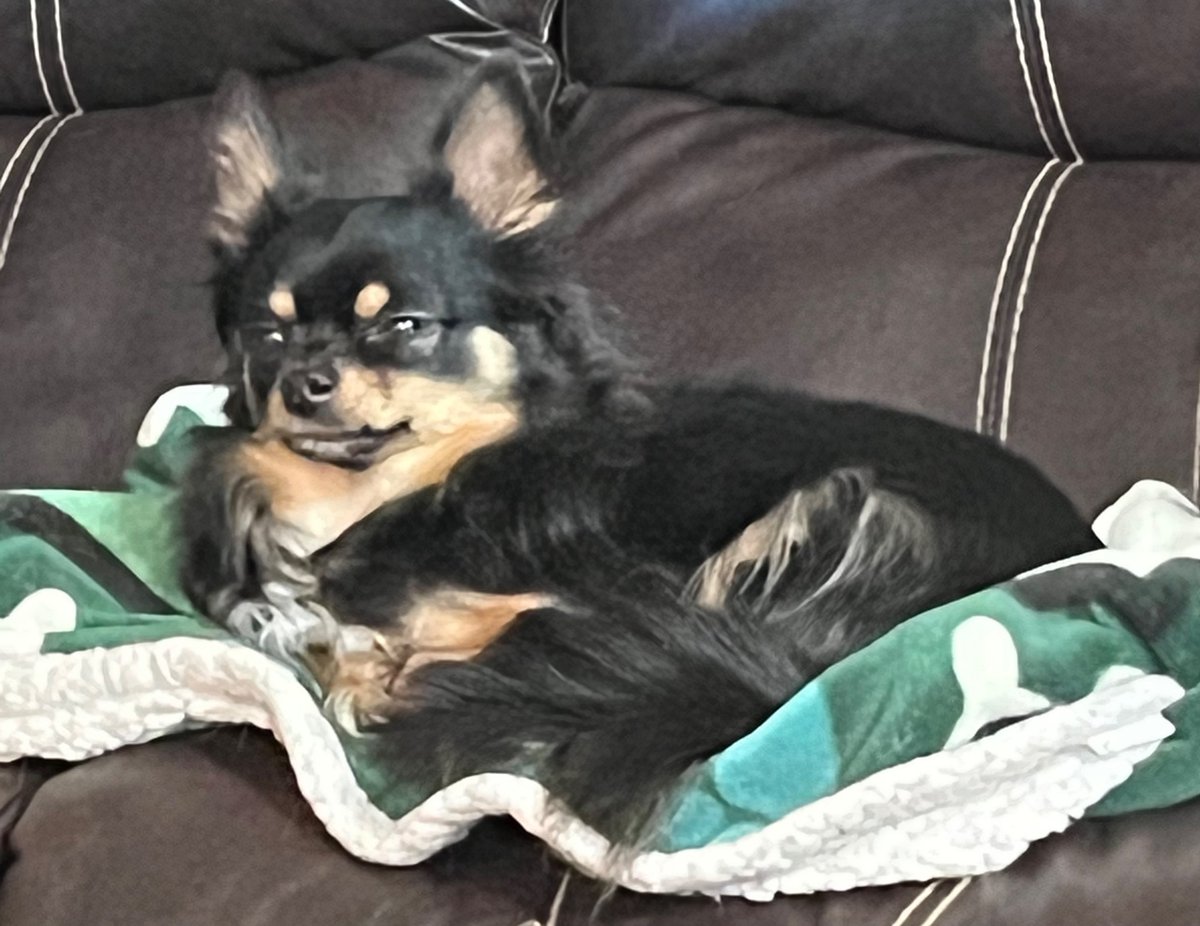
(609, 705)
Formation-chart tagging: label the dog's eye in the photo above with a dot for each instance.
(267, 334)
(408, 324)
(409, 328)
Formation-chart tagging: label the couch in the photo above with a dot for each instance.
(987, 212)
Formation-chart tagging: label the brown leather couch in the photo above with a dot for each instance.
(986, 211)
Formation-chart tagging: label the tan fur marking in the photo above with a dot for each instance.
(321, 500)
(523, 217)
(371, 298)
(282, 303)
(495, 359)
(494, 173)
(448, 419)
(359, 684)
(431, 406)
(318, 500)
(366, 685)
(246, 172)
(455, 621)
(766, 543)
(889, 540)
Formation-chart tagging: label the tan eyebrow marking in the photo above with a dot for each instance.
(282, 303)
(371, 298)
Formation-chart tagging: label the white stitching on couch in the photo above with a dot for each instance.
(37, 57)
(1021, 293)
(20, 148)
(1056, 158)
(962, 885)
(1033, 102)
(33, 166)
(915, 903)
(1062, 119)
(475, 14)
(55, 112)
(981, 399)
(6, 241)
(1196, 454)
(62, 56)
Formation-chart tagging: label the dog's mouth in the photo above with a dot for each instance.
(351, 449)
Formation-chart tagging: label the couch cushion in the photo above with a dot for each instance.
(1101, 79)
(99, 53)
(208, 829)
(1128, 83)
(941, 68)
(859, 263)
(19, 781)
(103, 264)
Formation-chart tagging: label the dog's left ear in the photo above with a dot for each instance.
(251, 169)
(493, 141)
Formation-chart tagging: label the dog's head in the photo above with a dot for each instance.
(355, 328)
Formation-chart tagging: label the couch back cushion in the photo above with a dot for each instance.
(1122, 78)
(66, 54)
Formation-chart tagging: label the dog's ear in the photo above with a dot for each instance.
(493, 141)
(248, 158)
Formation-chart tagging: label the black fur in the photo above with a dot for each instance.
(610, 496)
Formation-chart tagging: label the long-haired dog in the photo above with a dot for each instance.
(497, 542)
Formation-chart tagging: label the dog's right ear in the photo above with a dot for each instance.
(493, 142)
(249, 161)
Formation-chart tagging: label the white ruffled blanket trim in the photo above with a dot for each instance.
(965, 811)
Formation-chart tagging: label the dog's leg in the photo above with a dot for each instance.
(765, 549)
(364, 677)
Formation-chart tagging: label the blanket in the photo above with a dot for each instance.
(943, 749)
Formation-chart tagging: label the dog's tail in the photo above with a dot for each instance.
(608, 704)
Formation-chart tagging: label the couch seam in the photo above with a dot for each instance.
(913, 905)
(6, 241)
(476, 15)
(16, 155)
(55, 113)
(955, 892)
(1022, 292)
(1033, 100)
(1062, 119)
(1196, 452)
(993, 312)
(549, 8)
(998, 363)
(62, 56)
(37, 57)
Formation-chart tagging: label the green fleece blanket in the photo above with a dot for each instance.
(942, 749)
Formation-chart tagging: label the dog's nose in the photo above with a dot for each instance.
(319, 385)
(304, 391)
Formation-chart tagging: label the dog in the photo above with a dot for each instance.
(501, 544)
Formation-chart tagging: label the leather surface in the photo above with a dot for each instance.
(207, 829)
(928, 67)
(102, 54)
(1122, 80)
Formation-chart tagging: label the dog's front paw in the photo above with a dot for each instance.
(360, 684)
